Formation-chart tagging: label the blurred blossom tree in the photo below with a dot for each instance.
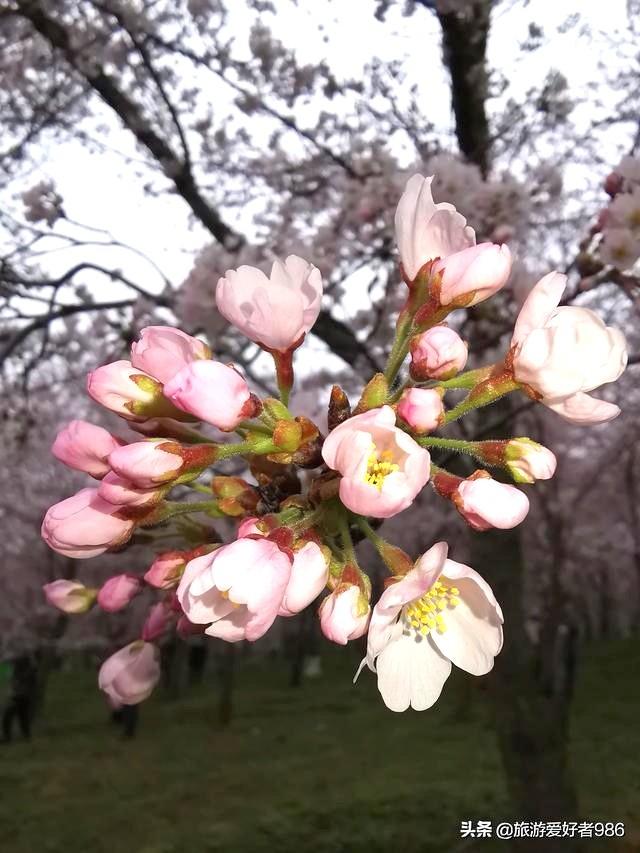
(273, 152)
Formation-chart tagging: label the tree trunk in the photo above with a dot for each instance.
(532, 683)
(464, 47)
(227, 678)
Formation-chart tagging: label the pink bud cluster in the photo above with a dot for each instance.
(293, 544)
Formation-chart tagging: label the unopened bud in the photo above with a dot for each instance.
(529, 461)
(339, 407)
(374, 395)
(70, 596)
(438, 353)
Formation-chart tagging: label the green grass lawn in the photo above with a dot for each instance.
(322, 768)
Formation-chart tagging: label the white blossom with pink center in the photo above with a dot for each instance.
(382, 467)
(440, 613)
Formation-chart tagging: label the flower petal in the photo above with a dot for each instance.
(583, 409)
(473, 635)
(539, 305)
(411, 672)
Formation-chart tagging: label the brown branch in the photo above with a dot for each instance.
(43, 321)
(106, 87)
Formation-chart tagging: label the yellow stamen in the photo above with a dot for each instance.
(426, 613)
(378, 467)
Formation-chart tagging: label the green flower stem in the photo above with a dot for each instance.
(199, 487)
(307, 521)
(171, 509)
(469, 379)
(480, 397)
(459, 446)
(487, 452)
(254, 426)
(398, 352)
(377, 541)
(345, 535)
(284, 394)
(395, 559)
(254, 445)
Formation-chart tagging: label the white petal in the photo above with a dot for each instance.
(411, 672)
(583, 409)
(539, 305)
(473, 635)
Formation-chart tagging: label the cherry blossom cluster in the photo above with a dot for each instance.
(295, 545)
(620, 221)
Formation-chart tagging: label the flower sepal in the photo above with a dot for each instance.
(374, 395)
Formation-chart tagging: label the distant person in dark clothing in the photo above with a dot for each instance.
(197, 662)
(126, 716)
(21, 700)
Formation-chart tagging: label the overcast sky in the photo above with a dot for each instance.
(100, 190)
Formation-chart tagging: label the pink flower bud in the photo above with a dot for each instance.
(275, 312)
(166, 570)
(129, 676)
(438, 353)
(85, 525)
(528, 461)
(212, 392)
(474, 274)
(119, 591)
(564, 352)
(485, 503)
(129, 392)
(120, 492)
(163, 351)
(237, 590)
(309, 575)
(158, 621)
(69, 596)
(421, 409)
(146, 464)
(344, 614)
(85, 447)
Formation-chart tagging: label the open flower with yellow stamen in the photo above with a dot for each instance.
(440, 613)
(382, 467)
